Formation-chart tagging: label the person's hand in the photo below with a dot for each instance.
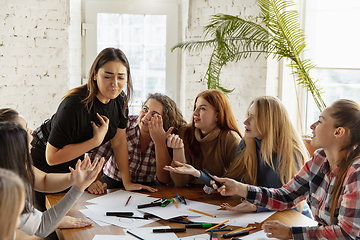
(136, 186)
(85, 172)
(275, 229)
(97, 187)
(175, 142)
(99, 131)
(183, 168)
(71, 222)
(156, 130)
(245, 206)
(229, 186)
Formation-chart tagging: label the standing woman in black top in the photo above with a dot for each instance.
(87, 117)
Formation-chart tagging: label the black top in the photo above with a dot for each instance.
(71, 124)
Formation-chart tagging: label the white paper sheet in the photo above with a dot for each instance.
(146, 233)
(197, 237)
(87, 213)
(120, 222)
(261, 235)
(236, 219)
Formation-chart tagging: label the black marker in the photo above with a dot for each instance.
(235, 234)
(167, 230)
(118, 214)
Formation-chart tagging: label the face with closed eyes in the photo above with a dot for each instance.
(111, 79)
(151, 108)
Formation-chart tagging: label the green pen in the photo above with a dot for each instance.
(199, 225)
(166, 202)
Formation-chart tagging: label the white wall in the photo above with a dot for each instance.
(40, 60)
(34, 52)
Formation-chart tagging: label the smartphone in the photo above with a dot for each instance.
(218, 184)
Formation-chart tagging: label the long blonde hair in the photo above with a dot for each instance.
(278, 135)
(12, 197)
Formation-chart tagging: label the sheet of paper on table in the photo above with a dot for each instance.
(115, 201)
(146, 233)
(236, 219)
(197, 237)
(261, 235)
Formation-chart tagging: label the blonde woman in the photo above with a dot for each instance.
(271, 152)
(12, 200)
(330, 179)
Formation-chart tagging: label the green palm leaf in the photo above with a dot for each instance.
(275, 33)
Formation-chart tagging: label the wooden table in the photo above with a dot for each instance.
(194, 192)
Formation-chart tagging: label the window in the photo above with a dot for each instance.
(332, 42)
(331, 30)
(145, 33)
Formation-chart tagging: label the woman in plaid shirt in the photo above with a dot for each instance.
(330, 179)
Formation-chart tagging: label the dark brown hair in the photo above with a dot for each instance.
(172, 116)
(90, 89)
(346, 113)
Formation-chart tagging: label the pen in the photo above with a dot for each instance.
(153, 204)
(166, 230)
(184, 200)
(235, 234)
(199, 225)
(208, 214)
(117, 214)
(166, 202)
(242, 229)
(218, 225)
(127, 201)
(219, 230)
(175, 203)
(135, 235)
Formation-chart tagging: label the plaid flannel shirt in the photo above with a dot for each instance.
(315, 180)
(142, 167)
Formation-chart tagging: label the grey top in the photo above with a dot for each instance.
(42, 224)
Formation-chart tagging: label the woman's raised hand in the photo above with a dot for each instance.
(85, 172)
(99, 131)
(175, 142)
(245, 206)
(183, 168)
(156, 129)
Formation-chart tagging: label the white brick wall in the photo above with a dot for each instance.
(33, 56)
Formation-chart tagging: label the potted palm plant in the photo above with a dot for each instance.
(276, 33)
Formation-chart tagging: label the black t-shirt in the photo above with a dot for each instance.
(71, 124)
